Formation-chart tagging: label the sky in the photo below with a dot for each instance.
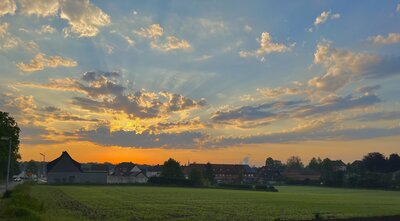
(201, 81)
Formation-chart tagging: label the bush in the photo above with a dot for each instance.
(265, 188)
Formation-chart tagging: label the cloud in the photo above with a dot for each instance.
(84, 18)
(180, 125)
(247, 28)
(343, 66)
(106, 93)
(154, 31)
(46, 29)
(61, 115)
(4, 29)
(172, 43)
(7, 7)
(279, 91)
(378, 116)
(7, 41)
(104, 136)
(141, 104)
(307, 135)
(42, 8)
(392, 38)
(368, 89)
(252, 116)
(128, 40)
(324, 16)
(398, 8)
(266, 113)
(266, 47)
(40, 62)
(335, 16)
(334, 104)
(321, 19)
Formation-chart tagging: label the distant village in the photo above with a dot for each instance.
(66, 170)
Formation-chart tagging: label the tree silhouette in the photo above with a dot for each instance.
(294, 162)
(209, 173)
(172, 169)
(375, 162)
(8, 128)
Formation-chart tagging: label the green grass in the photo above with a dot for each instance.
(168, 203)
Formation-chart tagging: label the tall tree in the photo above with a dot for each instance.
(375, 162)
(172, 169)
(315, 164)
(8, 128)
(294, 162)
(209, 173)
(196, 176)
(394, 162)
(272, 164)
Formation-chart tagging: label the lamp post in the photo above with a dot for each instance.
(44, 160)
(9, 159)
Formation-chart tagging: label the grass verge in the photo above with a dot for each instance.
(19, 205)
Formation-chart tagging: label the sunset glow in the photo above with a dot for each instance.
(223, 82)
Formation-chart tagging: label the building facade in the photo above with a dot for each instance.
(65, 170)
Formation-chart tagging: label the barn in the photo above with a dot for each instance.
(65, 170)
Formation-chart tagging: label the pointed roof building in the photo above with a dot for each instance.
(63, 164)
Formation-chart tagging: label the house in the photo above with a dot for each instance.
(127, 172)
(226, 173)
(64, 169)
(338, 165)
(268, 175)
(301, 175)
(153, 171)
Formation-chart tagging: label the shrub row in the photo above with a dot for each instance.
(248, 187)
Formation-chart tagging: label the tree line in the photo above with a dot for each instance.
(374, 170)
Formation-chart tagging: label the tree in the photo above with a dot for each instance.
(272, 164)
(209, 173)
(8, 128)
(172, 169)
(294, 162)
(315, 164)
(196, 176)
(375, 162)
(394, 162)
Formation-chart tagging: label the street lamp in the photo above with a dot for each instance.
(44, 160)
(9, 159)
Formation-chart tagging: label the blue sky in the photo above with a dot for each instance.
(200, 75)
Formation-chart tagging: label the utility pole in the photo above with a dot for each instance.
(9, 159)
(44, 161)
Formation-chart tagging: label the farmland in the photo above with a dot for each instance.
(168, 203)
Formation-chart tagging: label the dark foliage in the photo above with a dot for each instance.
(196, 176)
(20, 205)
(8, 128)
(209, 174)
(172, 169)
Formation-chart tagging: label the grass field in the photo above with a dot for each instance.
(167, 203)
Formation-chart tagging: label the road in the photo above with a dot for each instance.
(11, 185)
